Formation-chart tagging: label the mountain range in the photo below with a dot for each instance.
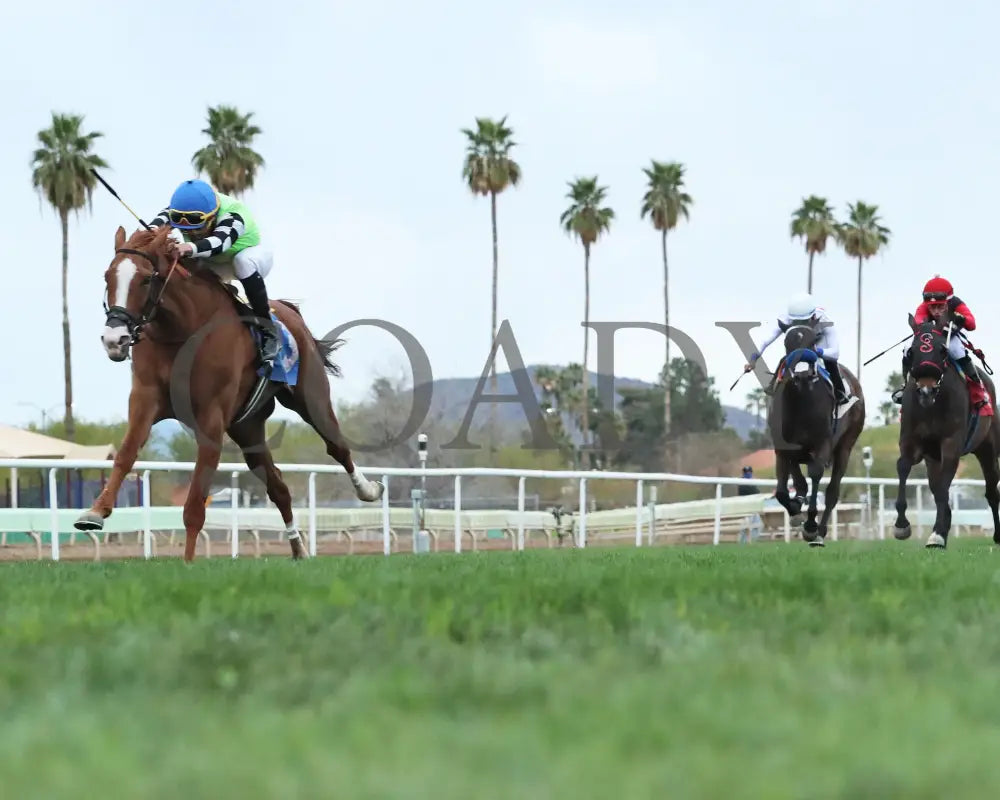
(450, 399)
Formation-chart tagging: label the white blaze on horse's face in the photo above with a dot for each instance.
(116, 335)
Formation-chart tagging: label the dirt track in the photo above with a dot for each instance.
(83, 550)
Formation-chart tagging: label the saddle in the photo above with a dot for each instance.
(810, 356)
(242, 307)
(271, 378)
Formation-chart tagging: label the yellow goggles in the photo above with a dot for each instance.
(190, 219)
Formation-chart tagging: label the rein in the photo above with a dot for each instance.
(135, 325)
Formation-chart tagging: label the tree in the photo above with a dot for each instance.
(665, 203)
(890, 411)
(862, 236)
(489, 170)
(757, 403)
(61, 175)
(696, 410)
(586, 218)
(813, 222)
(229, 159)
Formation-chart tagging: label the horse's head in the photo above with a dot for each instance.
(800, 335)
(930, 358)
(134, 283)
(800, 362)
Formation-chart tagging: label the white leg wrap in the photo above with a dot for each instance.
(364, 488)
(292, 530)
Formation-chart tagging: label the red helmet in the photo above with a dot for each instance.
(938, 289)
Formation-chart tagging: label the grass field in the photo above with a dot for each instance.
(866, 670)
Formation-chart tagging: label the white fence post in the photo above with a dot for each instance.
(234, 510)
(147, 515)
(638, 513)
(881, 511)
(581, 528)
(312, 514)
(520, 513)
(717, 533)
(386, 540)
(458, 513)
(54, 513)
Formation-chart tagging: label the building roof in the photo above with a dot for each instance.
(758, 459)
(21, 443)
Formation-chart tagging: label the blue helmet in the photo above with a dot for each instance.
(191, 205)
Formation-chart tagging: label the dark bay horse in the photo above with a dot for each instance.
(939, 425)
(806, 428)
(194, 359)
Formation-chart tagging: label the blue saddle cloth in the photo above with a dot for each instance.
(286, 364)
(809, 357)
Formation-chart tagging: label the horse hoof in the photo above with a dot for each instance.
(901, 533)
(796, 520)
(366, 490)
(89, 521)
(372, 492)
(808, 535)
(936, 541)
(819, 541)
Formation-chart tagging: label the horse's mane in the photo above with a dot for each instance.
(144, 238)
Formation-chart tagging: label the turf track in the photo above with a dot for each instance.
(865, 670)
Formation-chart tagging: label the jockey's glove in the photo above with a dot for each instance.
(958, 319)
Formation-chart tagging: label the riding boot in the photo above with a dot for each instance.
(977, 391)
(833, 367)
(257, 295)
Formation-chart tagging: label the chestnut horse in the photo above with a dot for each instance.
(194, 359)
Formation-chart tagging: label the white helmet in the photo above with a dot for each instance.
(802, 306)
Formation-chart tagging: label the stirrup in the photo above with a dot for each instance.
(269, 341)
(897, 396)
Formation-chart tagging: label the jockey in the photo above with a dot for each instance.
(804, 309)
(940, 301)
(212, 226)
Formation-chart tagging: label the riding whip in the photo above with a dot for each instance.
(115, 195)
(870, 360)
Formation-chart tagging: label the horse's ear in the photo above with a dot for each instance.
(119, 238)
(912, 321)
(782, 326)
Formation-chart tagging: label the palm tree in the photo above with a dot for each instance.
(757, 402)
(61, 175)
(489, 170)
(229, 160)
(814, 223)
(665, 203)
(586, 218)
(862, 236)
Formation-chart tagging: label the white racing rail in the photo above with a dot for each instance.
(638, 519)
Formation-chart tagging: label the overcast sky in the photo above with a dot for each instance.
(362, 200)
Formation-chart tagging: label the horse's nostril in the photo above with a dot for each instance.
(122, 339)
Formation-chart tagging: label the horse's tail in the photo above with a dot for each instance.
(324, 347)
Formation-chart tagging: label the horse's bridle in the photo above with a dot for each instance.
(157, 285)
(790, 374)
